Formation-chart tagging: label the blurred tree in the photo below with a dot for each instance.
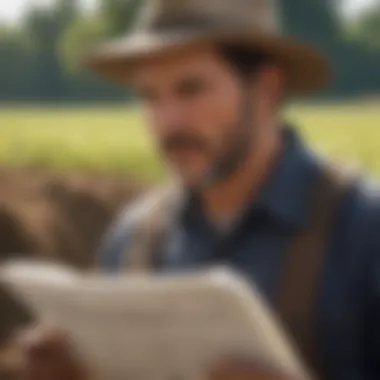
(120, 14)
(366, 29)
(78, 38)
(16, 66)
(81, 35)
(319, 22)
(45, 26)
(114, 18)
(66, 11)
(315, 21)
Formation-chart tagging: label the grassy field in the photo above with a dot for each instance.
(114, 139)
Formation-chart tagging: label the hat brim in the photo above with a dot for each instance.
(306, 69)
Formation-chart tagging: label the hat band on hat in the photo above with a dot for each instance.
(184, 22)
(198, 22)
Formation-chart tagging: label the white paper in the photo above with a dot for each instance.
(154, 327)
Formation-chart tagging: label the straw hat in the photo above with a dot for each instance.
(166, 25)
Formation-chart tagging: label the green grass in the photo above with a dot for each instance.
(344, 132)
(114, 139)
(101, 139)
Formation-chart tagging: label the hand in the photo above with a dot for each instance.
(46, 354)
(243, 370)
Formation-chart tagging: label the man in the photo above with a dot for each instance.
(213, 76)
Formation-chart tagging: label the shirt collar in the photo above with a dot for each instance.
(285, 195)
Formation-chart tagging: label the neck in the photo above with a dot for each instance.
(225, 199)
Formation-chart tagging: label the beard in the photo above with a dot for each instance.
(234, 147)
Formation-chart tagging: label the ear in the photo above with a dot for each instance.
(270, 86)
(273, 82)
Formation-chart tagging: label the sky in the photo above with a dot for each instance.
(13, 10)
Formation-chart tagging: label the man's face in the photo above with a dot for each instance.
(193, 102)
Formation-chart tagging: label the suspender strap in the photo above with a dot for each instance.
(144, 252)
(303, 264)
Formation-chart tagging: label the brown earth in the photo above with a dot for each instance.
(61, 217)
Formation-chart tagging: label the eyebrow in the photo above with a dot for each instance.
(193, 79)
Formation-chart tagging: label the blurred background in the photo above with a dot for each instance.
(73, 149)
(56, 115)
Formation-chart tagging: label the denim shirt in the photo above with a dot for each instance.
(348, 304)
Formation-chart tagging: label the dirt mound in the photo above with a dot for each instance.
(56, 217)
(59, 215)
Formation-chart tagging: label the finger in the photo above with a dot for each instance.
(43, 342)
(57, 365)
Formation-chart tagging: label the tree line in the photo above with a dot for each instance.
(39, 58)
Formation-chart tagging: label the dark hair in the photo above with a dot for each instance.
(244, 61)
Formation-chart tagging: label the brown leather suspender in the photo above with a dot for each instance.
(303, 264)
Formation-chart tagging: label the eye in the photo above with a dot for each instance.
(192, 87)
